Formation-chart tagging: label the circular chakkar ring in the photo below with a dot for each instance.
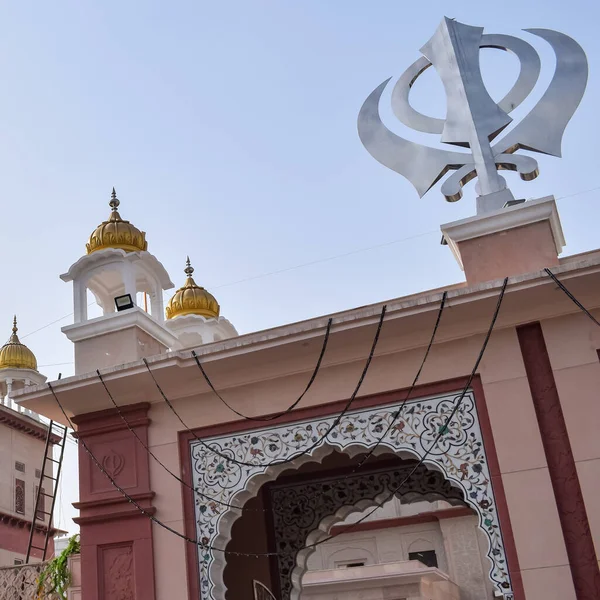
(528, 76)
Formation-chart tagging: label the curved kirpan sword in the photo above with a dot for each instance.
(473, 119)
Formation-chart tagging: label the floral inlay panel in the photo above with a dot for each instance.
(459, 454)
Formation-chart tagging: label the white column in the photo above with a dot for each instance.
(79, 301)
(129, 281)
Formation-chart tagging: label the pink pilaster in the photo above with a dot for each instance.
(116, 539)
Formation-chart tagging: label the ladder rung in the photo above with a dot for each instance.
(45, 494)
(48, 477)
(52, 459)
(38, 548)
(42, 512)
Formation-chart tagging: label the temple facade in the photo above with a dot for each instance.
(438, 446)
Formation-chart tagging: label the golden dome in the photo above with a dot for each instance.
(14, 355)
(116, 233)
(191, 299)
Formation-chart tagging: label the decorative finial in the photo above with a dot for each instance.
(188, 267)
(114, 201)
(15, 328)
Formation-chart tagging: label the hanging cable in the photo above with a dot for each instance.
(570, 296)
(358, 466)
(442, 430)
(292, 406)
(147, 448)
(334, 423)
(398, 412)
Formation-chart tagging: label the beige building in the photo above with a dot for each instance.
(22, 445)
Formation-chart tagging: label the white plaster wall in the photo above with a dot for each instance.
(459, 546)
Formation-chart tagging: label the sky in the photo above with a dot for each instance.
(229, 132)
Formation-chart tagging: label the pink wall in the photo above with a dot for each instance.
(260, 376)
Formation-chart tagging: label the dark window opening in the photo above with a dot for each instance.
(20, 496)
(19, 466)
(427, 557)
(354, 564)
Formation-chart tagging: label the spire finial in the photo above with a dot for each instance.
(114, 201)
(188, 267)
(15, 328)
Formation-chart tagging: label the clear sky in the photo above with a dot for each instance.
(229, 132)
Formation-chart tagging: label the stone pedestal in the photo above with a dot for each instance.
(117, 338)
(512, 241)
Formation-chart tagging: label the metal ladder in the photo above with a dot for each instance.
(41, 491)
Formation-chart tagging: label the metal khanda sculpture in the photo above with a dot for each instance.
(473, 119)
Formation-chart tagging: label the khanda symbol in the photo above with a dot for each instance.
(473, 120)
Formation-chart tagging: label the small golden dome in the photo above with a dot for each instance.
(116, 233)
(14, 355)
(191, 299)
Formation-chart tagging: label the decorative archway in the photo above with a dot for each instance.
(309, 509)
(459, 455)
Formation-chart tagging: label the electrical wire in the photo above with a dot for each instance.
(441, 431)
(289, 459)
(146, 447)
(291, 406)
(307, 264)
(199, 543)
(263, 510)
(398, 412)
(570, 296)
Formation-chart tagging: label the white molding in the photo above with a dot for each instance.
(532, 211)
(133, 317)
(578, 265)
(199, 328)
(110, 255)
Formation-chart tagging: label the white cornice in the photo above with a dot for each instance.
(572, 266)
(533, 211)
(110, 255)
(133, 317)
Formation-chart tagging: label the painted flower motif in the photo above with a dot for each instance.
(254, 440)
(400, 426)
(202, 508)
(349, 428)
(298, 437)
(220, 468)
(488, 522)
(272, 447)
(256, 452)
(378, 428)
(477, 468)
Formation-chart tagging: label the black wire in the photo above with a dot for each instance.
(158, 522)
(145, 446)
(358, 466)
(291, 458)
(568, 293)
(134, 502)
(441, 431)
(287, 410)
(399, 410)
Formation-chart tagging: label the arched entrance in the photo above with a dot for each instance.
(459, 457)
